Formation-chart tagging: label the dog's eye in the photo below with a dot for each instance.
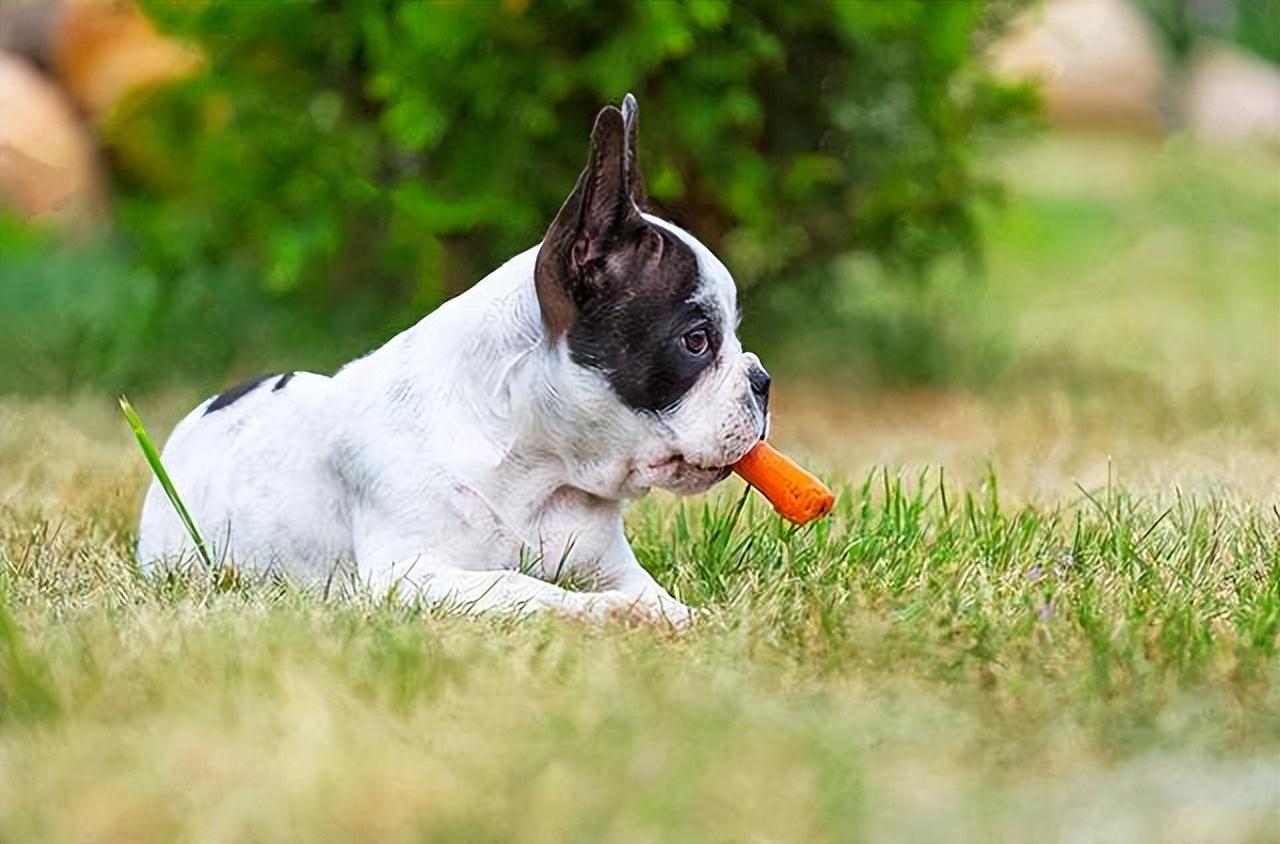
(697, 341)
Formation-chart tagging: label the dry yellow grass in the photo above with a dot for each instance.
(1040, 445)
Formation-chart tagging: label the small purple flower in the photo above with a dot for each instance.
(1066, 562)
(1035, 574)
(1045, 611)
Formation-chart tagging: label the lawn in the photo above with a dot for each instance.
(1046, 609)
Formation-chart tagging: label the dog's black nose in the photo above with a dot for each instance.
(759, 379)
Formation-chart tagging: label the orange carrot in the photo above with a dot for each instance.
(797, 495)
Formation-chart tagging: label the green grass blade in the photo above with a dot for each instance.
(152, 454)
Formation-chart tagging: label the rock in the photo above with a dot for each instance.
(1096, 61)
(105, 49)
(1232, 97)
(48, 161)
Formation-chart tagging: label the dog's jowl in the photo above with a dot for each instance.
(491, 447)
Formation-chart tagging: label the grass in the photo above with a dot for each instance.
(925, 664)
(151, 452)
(1128, 329)
(1046, 610)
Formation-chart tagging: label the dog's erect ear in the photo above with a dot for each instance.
(631, 118)
(590, 223)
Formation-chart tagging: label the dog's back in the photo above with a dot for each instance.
(275, 428)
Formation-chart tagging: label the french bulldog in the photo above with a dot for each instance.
(490, 450)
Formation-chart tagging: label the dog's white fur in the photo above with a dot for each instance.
(468, 460)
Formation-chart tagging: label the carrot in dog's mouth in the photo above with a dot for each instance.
(797, 495)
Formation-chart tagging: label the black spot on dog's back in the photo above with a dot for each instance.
(232, 394)
(284, 379)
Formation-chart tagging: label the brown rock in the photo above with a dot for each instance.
(48, 162)
(1095, 59)
(1232, 97)
(104, 49)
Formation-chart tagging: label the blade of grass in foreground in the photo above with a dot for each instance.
(152, 454)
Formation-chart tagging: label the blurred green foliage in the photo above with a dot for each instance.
(350, 165)
(404, 149)
(91, 313)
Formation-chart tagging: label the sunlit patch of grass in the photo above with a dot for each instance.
(1126, 269)
(1128, 277)
(1125, 326)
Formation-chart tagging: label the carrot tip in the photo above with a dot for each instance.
(797, 495)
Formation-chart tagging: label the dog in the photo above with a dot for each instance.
(490, 449)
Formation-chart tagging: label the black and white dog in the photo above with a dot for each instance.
(491, 447)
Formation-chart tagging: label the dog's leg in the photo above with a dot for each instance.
(640, 587)
(623, 572)
(505, 591)
(389, 562)
(389, 566)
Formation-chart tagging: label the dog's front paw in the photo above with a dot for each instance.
(610, 605)
(671, 612)
(615, 605)
(621, 606)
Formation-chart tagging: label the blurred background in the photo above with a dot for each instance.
(1039, 236)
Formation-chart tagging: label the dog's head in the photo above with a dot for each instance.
(647, 317)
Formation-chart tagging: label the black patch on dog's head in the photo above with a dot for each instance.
(633, 329)
(232, 394)
(620, 289)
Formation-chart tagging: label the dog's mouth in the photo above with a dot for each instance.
(684, 473)
(680, 474)
(678, 464)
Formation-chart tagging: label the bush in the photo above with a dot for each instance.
(401, 150)
(340, 168)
